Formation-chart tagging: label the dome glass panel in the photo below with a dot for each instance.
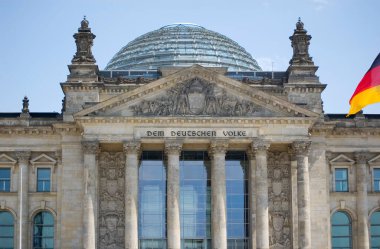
(182, 45)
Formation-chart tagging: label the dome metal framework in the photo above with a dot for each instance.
(182, 45)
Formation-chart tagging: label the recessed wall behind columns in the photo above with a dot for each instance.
(72, 193)
(319, 196)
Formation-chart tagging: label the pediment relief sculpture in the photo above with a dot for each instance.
(197, 97)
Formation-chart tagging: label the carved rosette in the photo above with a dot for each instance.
(111, 200)
(260, 145)
(279, 191)
(301, 147)
(23, 156)
(218, 147)
(132, 147)
(90, 147)
(173, 147)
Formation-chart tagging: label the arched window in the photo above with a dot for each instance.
(43, 231)
(6, 230)
(375, 230)
(341, 231)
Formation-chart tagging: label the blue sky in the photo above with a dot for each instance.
(36, 39)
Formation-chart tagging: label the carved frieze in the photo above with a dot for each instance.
(111, 200)
(196, 97)
(279, 192)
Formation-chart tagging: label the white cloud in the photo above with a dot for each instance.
(320, 4)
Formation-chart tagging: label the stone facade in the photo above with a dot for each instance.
(93, 150)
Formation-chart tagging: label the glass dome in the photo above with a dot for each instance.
(182, 45)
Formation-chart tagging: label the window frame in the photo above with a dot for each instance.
(53, 226)
(373, 169)
(348, 180)
(338, 162)
(3, 179)
(351, 228)
(13, 225)
(8, 162)
(38, 180)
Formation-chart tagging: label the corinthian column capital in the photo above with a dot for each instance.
(218, 147)
(361, 157)
(23, 156)
(90, 147)
(301, 147)
(132, 147)
(260, 145)
(173, 147)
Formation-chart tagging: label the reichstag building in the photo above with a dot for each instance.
(183, 141)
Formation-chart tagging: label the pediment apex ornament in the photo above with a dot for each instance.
(301, 147)
(132, 147)
(90, 147)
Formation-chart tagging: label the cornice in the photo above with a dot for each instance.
(331, 130)
(22, 130)
(175, 120)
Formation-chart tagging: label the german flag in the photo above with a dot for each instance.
(368, 90)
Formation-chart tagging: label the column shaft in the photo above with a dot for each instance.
(173, 199)
(90, 149)
(362, 202)
(132, 150)
(218, 194)
(301, 149)
(23, 198)
(261, 179)
(252, 199)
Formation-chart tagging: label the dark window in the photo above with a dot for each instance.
(195, 197)
(6, 230)
(152, 201)
(43, 231)
(376, 180)
(341, 231)
(5, 180)
(375, 230)
(237, 200)
(341, 180)
(43, 180)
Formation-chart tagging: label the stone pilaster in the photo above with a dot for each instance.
(362, 200)
(217, 151)
(132, 150)
(252, 198)
(90, 149)
(173, 150)
(301, 151)
(260, 148)
(23, 197)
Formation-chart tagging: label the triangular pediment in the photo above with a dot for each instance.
(342, 160)
(196, 91)
(375, 161)
(7, 160)
(43, 159)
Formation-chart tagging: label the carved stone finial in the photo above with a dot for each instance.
(260, 145)
(301, 147)
(23, 156)
(173, 147)
(25, 105)
(132, 147)
(300, 44)
(219, 146)
(84, 41)
(90, 147)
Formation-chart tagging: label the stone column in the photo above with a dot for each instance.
(132, 150)
(172, 150)
(260, 148)
(90, 149)
(252, 198)
(362, 202)
(301, 150)
(23, 198)
(217, 151)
